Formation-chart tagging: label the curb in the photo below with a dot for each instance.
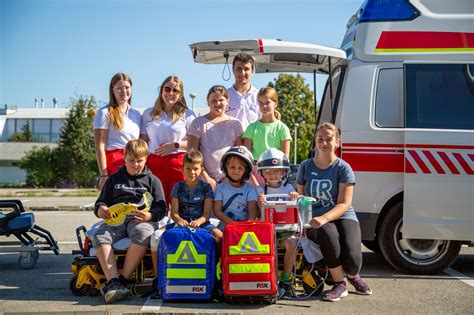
(60, 208)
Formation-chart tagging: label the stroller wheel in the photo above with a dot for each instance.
(27, 260)
(82, 290)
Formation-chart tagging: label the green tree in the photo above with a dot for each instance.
(76, 144)
(26, 134)
(296, 105)
(40, 166)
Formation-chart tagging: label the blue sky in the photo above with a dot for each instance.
(62, 48)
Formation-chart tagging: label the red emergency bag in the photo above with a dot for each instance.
(249, 262)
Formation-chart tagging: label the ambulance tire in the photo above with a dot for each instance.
(414, 256)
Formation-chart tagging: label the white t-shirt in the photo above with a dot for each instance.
(215, 140)
(162, 129)
(243, 107)
(118, 139)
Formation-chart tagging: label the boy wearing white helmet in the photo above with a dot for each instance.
(274, 166)
(235, 199)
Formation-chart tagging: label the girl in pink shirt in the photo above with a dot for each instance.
(214, 133)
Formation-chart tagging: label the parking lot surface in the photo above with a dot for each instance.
(45, 287)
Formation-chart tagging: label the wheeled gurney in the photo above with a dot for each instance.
(15, 221)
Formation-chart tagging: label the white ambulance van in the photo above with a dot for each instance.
(401, 90)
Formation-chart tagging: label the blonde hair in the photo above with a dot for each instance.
(179, 108)
(193, 157)
(218, 89)
(114, 111)
(272, 94)
(136, 148)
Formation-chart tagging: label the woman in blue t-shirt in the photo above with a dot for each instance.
(335, 227)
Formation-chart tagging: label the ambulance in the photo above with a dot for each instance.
(401, 90)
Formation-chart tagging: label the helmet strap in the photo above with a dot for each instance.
(234, 181)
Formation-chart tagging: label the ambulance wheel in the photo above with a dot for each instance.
(415, 256)
(82, 290)
(27, 260)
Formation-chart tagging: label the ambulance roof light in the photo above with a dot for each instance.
(383, 10)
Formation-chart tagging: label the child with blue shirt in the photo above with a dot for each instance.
(191, 205)
(235, 199)
(192, 198)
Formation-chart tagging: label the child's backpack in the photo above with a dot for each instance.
(249, 262)
(186, 264)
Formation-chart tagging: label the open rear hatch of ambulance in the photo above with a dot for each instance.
(271, 55)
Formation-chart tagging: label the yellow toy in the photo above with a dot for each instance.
(119, 211)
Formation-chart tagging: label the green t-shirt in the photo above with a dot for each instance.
(266, 135)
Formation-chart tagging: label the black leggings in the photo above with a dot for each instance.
(340, 244)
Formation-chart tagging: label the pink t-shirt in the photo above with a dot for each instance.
(215, 140)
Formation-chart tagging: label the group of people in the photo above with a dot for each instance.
(220, 164)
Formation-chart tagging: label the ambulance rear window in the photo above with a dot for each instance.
(439, 96)
(388, 104)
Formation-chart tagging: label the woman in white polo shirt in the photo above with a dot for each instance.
(114, 125)
(164, 127)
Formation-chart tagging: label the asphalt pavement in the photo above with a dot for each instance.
(45, 288)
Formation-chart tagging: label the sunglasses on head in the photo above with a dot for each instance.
(167, 89)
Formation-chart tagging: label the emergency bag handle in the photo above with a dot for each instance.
(278, 199)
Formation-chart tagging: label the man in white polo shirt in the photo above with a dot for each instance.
(243, 102)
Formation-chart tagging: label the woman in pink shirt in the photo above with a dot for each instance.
(164, 127)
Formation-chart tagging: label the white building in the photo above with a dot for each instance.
(45, 124)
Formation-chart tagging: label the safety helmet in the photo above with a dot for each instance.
(243, 153)
(273, 158)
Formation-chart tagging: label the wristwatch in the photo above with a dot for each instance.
(176, 145)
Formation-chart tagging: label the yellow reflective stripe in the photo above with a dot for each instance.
(249, 244)
(249, 268)
(186, 254)
(185, 273)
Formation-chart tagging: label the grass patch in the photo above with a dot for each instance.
(25, 192)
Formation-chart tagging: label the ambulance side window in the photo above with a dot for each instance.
(439, 96)
(388, 105)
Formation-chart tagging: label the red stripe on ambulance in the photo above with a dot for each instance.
(433, 162)
(448, 162)
(463, 163)
(424, 40)
(418, 158)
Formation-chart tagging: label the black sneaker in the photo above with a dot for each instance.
(114, 291)
(126, 282)
(285, 291)
(154, 293)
